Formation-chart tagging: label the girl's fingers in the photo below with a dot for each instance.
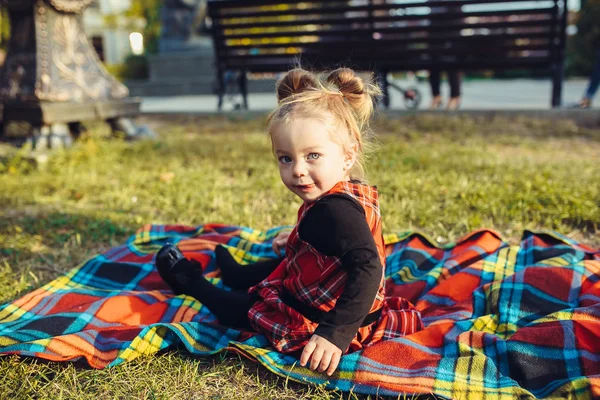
(335, 361)
(325, 361)
(277, 247)
(316, 358)
(307, 352)
(280, 241)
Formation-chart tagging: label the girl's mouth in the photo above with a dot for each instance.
(305, 188)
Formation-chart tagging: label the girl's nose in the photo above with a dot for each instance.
(299, 169)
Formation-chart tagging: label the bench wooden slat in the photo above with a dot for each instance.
(236, 13)
(244, 4)
(391, 42)
(279, 65)
(545, 12)
(401, 52)
(367, 32)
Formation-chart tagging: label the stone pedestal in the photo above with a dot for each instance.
(52, 77)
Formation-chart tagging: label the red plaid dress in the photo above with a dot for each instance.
(318, 280)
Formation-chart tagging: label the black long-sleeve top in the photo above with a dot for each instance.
(336, 226)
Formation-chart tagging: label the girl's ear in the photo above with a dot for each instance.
(351, 154)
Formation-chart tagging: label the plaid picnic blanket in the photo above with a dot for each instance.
(501, 321)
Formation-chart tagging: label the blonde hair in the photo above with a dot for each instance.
(340, 95)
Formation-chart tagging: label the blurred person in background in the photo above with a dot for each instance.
(586, 100)
(435, 74)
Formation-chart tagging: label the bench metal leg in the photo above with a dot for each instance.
(383, 83)
(220, 89)
(558, 73)
(243, 82)
(220, 101)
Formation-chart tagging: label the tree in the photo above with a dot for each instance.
(4, 28)
(583, 47)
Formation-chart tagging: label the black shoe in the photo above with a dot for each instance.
(174, 268)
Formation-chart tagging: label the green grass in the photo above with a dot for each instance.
(444, 176)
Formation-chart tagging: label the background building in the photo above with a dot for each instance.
(108, 28)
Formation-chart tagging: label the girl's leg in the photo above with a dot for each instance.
(238, 276)
(230, 308)
(185, 277)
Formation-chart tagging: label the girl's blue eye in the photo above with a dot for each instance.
(285, 159)
(313, 156)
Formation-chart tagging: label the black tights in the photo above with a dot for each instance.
(230, 307)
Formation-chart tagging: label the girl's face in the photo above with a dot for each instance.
(310, 163)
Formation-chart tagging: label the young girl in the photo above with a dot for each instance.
(326, 296)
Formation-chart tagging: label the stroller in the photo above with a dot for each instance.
(411, 95)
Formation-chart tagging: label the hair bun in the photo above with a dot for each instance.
(295, 81)
(358, 93)
(347, 81)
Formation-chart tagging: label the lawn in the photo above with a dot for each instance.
(444, 176)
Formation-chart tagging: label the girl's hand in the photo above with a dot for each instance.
(280, 241)
(323, 354)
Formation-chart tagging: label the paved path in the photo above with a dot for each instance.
(511, 94)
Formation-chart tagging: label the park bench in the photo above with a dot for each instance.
(387, 36)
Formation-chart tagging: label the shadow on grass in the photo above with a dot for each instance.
(38, 246)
